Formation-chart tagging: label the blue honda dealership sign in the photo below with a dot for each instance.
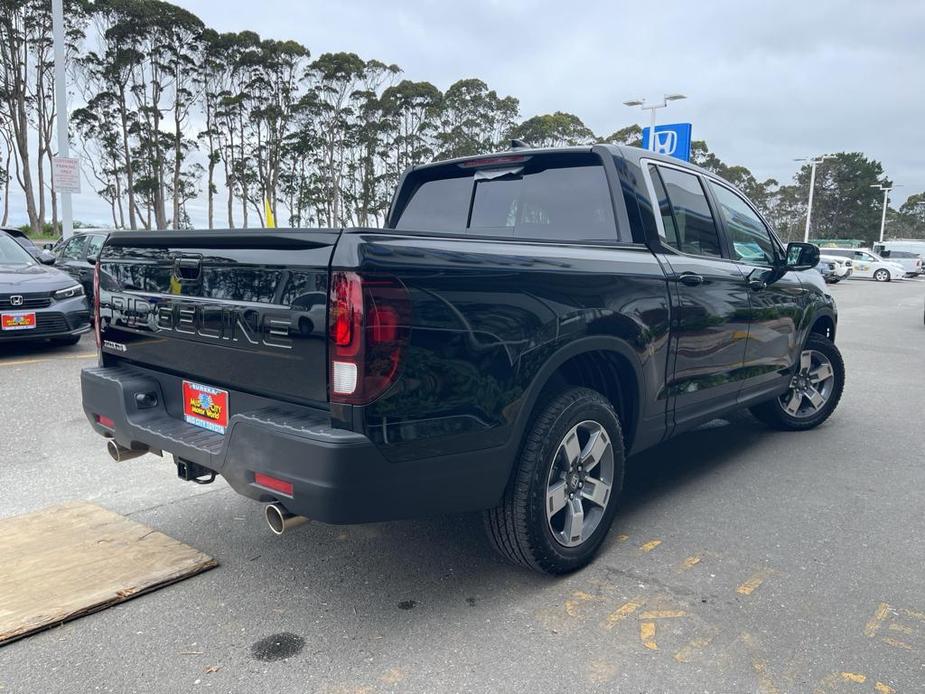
(673, 139)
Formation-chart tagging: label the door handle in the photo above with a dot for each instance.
(757, 285)
(690, 279)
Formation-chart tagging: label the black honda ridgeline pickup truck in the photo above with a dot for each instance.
(522, 323)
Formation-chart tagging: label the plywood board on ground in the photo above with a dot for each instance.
(66, 561)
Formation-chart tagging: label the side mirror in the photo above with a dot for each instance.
(802, 256)
(47, 259)
(92, 259)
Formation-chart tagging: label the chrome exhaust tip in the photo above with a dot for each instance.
(121, 453)
(280, 520)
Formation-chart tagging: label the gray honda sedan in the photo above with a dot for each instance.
(37, 301)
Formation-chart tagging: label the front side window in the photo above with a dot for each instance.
(751, 242)
(73, 249)
(693, 220)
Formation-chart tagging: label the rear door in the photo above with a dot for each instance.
(710, 305)
(237, 310)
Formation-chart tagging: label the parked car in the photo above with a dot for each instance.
(77, 256)
(829, 271)
(910, 262)
(37, 301)
(843, 266)
(916, 246)
(866, 263)
(42, 255)
(523, 322)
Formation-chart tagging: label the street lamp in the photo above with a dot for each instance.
(886, 196)
(642, 104)
(812, 184)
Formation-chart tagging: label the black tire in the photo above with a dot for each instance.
(882, 275)
(775, 415)
(518, 528)
(69, 340)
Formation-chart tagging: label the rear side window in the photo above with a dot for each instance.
(693, 222)
(565, 203)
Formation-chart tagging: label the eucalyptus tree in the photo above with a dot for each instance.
(26, 92)
(553, 130)
(274, 70)
(411, 109)
(327, 113)
(473, 118)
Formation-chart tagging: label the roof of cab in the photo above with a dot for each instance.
(633, 154)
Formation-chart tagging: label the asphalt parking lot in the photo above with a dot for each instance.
(743, 560)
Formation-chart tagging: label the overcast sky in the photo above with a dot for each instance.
(764, 84)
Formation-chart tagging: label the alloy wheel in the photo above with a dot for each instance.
(810, 387)
(579, 484)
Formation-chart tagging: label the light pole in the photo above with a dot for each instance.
(642, 104)
(812, 185)
(57, 19)
(886, 197)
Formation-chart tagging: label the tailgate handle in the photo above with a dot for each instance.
(188, 268)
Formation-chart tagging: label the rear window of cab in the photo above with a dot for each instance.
(564, 198)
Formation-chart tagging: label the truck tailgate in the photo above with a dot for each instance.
(245, 310)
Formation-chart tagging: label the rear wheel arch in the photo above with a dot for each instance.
(607, 365)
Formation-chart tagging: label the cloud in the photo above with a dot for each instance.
(765, 82)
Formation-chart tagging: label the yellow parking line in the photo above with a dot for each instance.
(39, 360)
(622, 612)
(691, 561)
(873, 624)
(650, 545)
(752, 584)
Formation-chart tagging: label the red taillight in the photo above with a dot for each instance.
(277, 485)
(96, 304)
(369, 323)
(105, 421)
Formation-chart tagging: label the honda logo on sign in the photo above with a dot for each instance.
(666, 142)
(673, 140)
(16, 300)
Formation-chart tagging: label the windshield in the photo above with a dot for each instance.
(11, 253)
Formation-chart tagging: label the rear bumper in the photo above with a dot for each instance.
(338, 476)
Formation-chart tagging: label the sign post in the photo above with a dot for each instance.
(57, 20)
(672, 139)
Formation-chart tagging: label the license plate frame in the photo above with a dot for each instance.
(205, 406)
(18, 320)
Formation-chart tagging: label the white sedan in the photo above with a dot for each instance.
(866, 263)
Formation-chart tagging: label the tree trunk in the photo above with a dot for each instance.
(127, 153)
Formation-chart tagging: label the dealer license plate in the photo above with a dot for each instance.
(205, 406)
(18, 320)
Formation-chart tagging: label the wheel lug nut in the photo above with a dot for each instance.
(571, 496)
(581, 484)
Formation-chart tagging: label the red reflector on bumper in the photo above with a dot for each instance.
(105, 421)
(276, 485)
